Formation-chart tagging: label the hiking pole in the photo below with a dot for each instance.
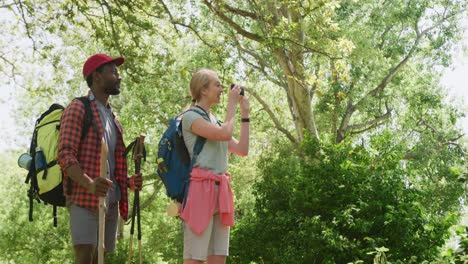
(138, 150)
(139, 228)
(102, 205)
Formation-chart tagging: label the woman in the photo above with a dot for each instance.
(209, 209)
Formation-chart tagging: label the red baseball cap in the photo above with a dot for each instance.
(93, 62)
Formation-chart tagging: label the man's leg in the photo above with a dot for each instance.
(84, 229)
(85, 254)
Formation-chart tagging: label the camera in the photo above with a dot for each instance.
(242, 89)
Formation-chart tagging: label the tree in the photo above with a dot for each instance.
(326, 75)
(338, 62)
(339, 202)
(342, 54)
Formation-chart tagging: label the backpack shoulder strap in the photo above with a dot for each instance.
(88, 119)
(201, 112)
(200, 141)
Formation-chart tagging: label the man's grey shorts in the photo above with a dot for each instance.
(84, 226)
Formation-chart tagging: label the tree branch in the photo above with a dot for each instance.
(262, 64)
(362, 127)
(387, 29)
(386, 80)
(234, 25)
(7, 5)
(456, 138)
(308, 49)
(444, 18)
(460, 147)
(262, 70)
(170, 16)
(26, 24)
(13, 66)
(351, 108)
(275, 120)
(114, 34)
(394, 71)
(240, 12)
(194, 31)
(132, 31)
(440, 137)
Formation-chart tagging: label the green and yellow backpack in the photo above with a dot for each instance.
(44, 173)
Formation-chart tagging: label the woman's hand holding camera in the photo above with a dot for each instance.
(235, 92)
(243, 101)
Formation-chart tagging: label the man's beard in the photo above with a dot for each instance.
(112, 89)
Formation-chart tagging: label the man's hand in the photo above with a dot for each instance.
(100, 186)
(136, 182)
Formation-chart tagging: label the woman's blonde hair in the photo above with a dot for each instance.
(199, 81)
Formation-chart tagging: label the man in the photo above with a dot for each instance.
(80, 158)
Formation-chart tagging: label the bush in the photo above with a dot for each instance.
(338, 203)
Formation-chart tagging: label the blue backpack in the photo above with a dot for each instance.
(174, 163)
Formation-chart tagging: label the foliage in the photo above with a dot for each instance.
(458, 253)
(347, 56)
(354, 71)
(350, 57)
(22, 241)
(336, 203)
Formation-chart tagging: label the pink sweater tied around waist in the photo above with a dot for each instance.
(201, 200)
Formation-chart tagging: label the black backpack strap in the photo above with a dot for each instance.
(54, 214)
(88, 118)
(31, 203)
(204, 114)
(201, 112)
(200, 141)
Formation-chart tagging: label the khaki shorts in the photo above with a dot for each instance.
(213, 241)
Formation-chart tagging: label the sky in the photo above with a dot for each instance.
(455, 79)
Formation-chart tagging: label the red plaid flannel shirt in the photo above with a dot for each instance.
(87, 154)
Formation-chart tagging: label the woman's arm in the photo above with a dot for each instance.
(224, 132)
(241, 147)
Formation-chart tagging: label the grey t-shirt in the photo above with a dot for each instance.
(214, 155)
(110, 136)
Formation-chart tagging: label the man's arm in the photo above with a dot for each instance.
(98, 186)
(71, 126)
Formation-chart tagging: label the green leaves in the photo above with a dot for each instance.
(344, 202)
(360, 73)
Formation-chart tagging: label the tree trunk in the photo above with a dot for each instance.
(291, 60)
(299, 94)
